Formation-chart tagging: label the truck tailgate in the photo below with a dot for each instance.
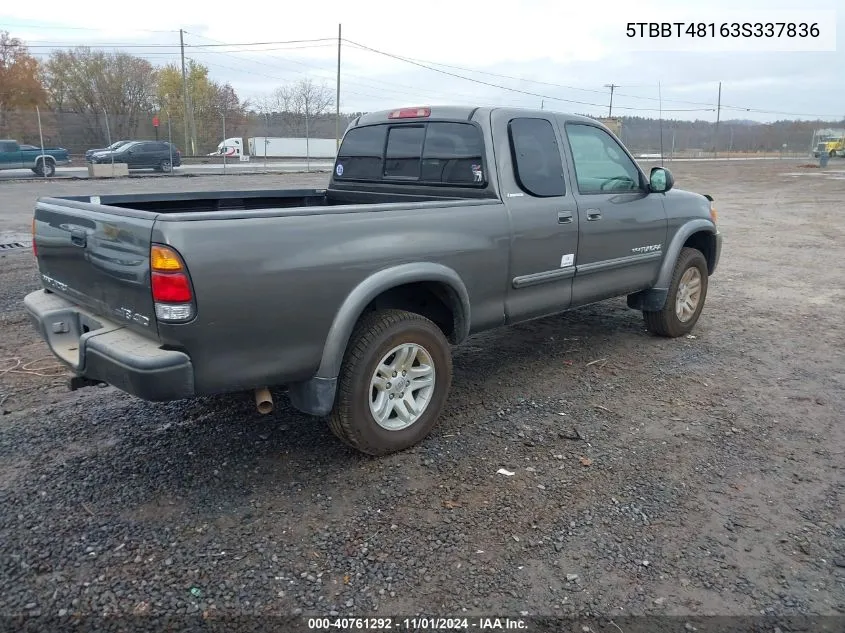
(97, 257)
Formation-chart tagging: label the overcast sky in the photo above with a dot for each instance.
(577, 47)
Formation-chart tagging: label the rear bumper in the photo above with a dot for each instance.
(106, 351)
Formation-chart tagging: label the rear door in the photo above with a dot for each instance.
(99, 258)
(544, 220)
(10, 155)
(623, 227)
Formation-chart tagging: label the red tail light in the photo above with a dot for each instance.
(34, 247)
(410, 113)
(171, 287)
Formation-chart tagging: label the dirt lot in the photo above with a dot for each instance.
(703, 475)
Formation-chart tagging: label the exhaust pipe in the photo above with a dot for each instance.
(263, 400)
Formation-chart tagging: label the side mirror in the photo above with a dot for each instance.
(660, 180)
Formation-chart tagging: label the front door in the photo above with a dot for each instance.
(623, 226)
(532, 182)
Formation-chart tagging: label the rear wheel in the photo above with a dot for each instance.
(686, 297)
(45, 167)
(393, 384)
(165, 166)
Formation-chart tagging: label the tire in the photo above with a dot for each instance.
(833, 153)
(164, 166)
(667, 322)
(40, 168)
(373, 341)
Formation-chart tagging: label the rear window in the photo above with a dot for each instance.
(537, 163)
(404, 150)
(360, 155)
(438, 153)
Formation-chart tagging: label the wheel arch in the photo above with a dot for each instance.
(388, 288)
(403, 287)
(699, 234)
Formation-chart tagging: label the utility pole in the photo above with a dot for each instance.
(718, 116)
(184, 88)
(610, 109)
(660, 97)
(337, 96)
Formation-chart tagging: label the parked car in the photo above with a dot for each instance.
(42, 162)
(437, 224)
(89, 153)
(157, 155)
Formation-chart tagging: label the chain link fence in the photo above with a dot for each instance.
(196, 139)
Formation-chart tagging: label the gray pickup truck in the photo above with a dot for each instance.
(437, 223)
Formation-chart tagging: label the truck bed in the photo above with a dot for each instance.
(250, 200)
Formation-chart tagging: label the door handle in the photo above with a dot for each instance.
(593, 215)
(78, 237)
(564, 217)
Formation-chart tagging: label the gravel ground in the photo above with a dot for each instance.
(696, 476)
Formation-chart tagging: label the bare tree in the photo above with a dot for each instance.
(311, 100)
(295, 105)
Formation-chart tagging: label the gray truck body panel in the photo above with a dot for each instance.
(281, 277)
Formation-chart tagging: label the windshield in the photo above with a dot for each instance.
(125, 147)
(114, 146)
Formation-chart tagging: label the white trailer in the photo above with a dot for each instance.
(278, 147)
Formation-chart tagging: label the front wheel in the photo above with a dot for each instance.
(393, 384)
(686, 297)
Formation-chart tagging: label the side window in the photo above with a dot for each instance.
(404, 148)
(536, 157)
(601, 166)
(361, 153)
(453, 154)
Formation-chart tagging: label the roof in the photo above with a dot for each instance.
(466, 112)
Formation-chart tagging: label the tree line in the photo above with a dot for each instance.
(87, 96)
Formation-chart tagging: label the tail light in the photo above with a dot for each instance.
(34, 246)
(410, 113)
(172, 293)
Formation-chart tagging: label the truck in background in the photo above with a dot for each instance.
(231, 148)
(42, 162)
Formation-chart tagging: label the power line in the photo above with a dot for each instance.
(56, 44)
(501, 87)
(557, 85)
(366, 82)
(709, 109)
(321, 39)
(75, 28)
